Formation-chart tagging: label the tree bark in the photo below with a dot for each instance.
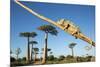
(28, 51)
(31, 52)
(72, 53)
(45, 49)
(35, 56)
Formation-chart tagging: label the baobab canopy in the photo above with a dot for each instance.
(63, 24)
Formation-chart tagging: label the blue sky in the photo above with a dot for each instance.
(23, 21)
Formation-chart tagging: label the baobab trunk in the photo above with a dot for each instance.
(31, 52)
(72, 53)
(35, 56)
(28, 52)
(45, 49)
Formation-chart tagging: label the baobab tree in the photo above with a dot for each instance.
(71, 46)
(32, 43)
(18, 51)
(47, 29)
(28, 35)
(35, 53)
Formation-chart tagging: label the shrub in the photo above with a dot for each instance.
(12, 59)
(61, 57)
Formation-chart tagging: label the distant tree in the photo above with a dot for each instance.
(51, 57)
(71, 46)
(69, 56)
(12, 59)
(24, 58)
(48, 49)
(28, 35)
(18, 51)
(32, 43)
(35, 52)
(56, 59)
(47, 29)
(19, 59)
(51, 53)
(61, 57)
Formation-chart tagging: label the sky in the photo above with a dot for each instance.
(23, 21)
